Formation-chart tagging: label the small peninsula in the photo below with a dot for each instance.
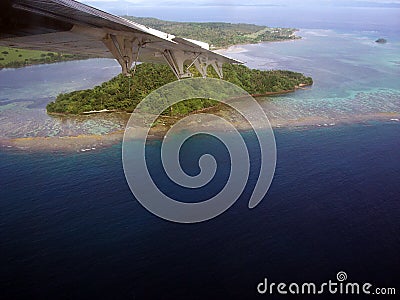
(123, 93)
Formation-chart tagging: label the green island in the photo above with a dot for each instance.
(123, 93)
(218, 35)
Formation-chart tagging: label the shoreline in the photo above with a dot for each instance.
(226, 48)
(295, 38)
(31, 64)
(90, 142)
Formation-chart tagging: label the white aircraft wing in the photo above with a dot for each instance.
(68, 26)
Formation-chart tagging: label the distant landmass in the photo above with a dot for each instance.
(218, 35)
(381, 41)
(123, 93)
(16, 58)
(109, 5)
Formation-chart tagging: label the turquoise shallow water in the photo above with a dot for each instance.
(353, 76)
(25, 92)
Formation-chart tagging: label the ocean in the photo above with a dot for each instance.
(70, 227)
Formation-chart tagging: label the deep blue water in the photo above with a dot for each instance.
(70, 228)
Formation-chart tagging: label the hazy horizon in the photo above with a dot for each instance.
(190, 3)
(337, 15)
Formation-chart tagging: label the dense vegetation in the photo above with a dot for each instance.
(123, 93)
(219, 34)
(14, 58)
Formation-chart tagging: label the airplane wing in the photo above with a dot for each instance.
(68, 26)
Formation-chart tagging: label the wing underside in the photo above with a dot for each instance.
(68, 26)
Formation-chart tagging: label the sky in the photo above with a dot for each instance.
(100, 3)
